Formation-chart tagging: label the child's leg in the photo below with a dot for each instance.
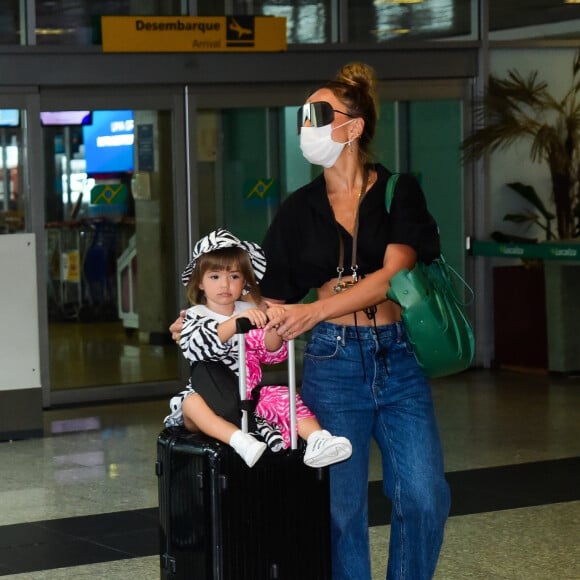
(274, 406)
(307, 426)
(198, 416)
(322, 448)
(269, 433)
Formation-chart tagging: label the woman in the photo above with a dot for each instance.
(360, 376)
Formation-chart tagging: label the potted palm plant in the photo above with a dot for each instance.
(522, 109)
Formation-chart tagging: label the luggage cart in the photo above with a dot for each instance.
(65, 244)
(127, 285)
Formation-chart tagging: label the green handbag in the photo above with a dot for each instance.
(433, 312)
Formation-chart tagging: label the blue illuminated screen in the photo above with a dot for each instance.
(109, 142)
(9, 117)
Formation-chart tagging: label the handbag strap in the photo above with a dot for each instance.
(390, 193)
(445, 269)
(443, 265)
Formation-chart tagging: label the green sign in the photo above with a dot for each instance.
(109, 194)
(543, 251)
(261, 191)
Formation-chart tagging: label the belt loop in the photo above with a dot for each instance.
(400, 331)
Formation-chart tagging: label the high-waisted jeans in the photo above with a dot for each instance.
(363, 383)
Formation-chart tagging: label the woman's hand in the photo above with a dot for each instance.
(177, 327)
(291, 320)
(275, 312)
(294, 319)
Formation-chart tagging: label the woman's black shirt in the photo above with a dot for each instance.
(302, 244)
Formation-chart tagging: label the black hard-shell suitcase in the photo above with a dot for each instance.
(221, 520)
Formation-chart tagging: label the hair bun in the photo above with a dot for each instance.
(358, 74)
(363, 78)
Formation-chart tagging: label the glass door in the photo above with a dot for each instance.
(435, 129)
(417, 136)
(111, 174)
(12, 200)
(249, 161)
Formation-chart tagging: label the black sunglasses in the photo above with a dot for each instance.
(319, 114)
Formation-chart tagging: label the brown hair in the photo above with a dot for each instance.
(355, 85)
(223, 259)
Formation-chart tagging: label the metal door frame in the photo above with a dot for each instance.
(102, 98)
(183, 101)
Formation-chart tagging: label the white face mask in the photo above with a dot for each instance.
(318, 147)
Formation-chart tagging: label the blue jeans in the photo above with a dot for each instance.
(365, 383)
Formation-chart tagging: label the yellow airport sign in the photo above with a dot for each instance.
(193, 33)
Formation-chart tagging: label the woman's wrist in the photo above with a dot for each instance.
(321, 310)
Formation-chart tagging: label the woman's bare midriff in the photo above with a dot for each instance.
(387, 311)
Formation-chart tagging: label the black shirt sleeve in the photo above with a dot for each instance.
(301, 244)
(410, 220)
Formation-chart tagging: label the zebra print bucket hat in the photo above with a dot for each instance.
(220, 239)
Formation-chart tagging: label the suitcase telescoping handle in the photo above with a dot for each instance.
(243, 325)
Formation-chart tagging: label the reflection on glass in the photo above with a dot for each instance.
(429, 20)
(109, 222)
(545, 20)
(10, 22)
(12, 203)
(307, 21)
(433, 17)
(75, 425)
(388, 20)
(78, 21)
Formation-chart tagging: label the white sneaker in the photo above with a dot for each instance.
(247, 447)
(324, 449)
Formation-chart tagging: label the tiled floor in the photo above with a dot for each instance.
(82, 501)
